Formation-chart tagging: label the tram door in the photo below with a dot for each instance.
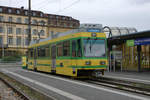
(35, 57)
(53, 54)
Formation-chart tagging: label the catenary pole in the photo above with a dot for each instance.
(29, 23)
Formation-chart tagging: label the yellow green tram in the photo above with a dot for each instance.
(77, 55)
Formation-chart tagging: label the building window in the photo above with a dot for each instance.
(18, 11)
(1, 40)
(34, 32)
(65, 25)
(1, 18)
(18, 20)
(1, 29)
(18, 30)
(63, 18)
(26, 20)
(26, 12)
(10, 19)
(10, 40)
(42, 32)
(70, 25)
(26, 31)
(41, 14)
(34, 39)
(10, 30)
(57, 17)
(52, 32)
(18, 41)
(62, 24)
(26, 41)
(9, 10)
(34, 13)
(1, 9)
(58, 24)
(70, 18)
(42, 22)
(34, 22)
(50, 16)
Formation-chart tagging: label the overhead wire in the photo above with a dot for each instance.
(17, 2)
(41, 4)
(45, 3)
(68, 6)
(38, 3)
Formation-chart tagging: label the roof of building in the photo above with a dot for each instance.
(38, 13)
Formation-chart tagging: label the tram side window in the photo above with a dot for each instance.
(74, 45)
(79, 51)
(47, 51)
(41, 52)
(30, 53)
(35, 55)
(60, 49)
(66, 48)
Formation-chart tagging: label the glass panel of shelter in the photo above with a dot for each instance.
(145, 57)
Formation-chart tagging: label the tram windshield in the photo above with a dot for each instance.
(94, 48)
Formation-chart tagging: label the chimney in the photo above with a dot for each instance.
(22, 7)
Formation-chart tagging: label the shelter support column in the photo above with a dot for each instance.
(139, 57)
(110, 58)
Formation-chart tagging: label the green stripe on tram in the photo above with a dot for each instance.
(43, 64)
(102, 66)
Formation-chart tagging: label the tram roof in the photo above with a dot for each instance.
(74, 31)
(114, 40)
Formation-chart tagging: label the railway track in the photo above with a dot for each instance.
(24, 91)
(20, 94)
(139, 88)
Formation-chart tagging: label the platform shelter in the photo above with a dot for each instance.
(129, 52)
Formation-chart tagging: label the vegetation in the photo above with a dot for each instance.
(11, 58)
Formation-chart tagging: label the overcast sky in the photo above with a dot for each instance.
(123, 13)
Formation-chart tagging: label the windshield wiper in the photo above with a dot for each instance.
(92, 44)
(87, 41)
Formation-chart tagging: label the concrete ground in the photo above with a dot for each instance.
(66, 89)
(142, 77)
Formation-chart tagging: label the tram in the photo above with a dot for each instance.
(77, 53)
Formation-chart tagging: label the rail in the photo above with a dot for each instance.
(25, 91)
(135, 87)
(21, 94)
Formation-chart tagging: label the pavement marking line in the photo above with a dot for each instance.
(128, 78)
(66, 94)
(96, 87)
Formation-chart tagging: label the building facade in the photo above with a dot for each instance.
(14, 28)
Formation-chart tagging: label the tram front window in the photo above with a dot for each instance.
(94, 48)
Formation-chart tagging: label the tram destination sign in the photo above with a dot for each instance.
(93, 30)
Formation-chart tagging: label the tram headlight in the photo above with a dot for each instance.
(88, 62)
(102, 62)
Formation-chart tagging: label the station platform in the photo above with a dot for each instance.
(139, 77)
(61, 88)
